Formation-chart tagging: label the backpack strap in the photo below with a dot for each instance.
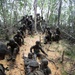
(38, 73)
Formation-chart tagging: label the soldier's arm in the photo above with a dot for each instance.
(17, 46)
(8, 44)
(31, 49)
(42, 51)
(21, 36)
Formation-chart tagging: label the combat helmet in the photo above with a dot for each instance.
(37, 42)
(44, 62)
(34, 64)
(30, 55)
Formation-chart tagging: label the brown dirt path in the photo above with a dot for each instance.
(18, 68)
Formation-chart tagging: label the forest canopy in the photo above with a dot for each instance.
(55, 12)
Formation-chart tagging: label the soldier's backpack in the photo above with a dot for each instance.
(39, 73)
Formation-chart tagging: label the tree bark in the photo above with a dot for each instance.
(3, 13)
(35, 12)
(48, 11)
(59, 12)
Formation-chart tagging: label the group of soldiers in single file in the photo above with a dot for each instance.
(32, 67)
(51, 35)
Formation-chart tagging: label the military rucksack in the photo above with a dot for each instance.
(38, 73)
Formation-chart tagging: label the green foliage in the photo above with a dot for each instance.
(21, 4)
(70, 52)
(64, 73)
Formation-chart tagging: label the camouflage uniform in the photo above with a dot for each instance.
(44, 67)
(34, 68)
(13, 48)
(37, 49)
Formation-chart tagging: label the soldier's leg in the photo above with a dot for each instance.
(10, 54)
(14, 54)
(19, 41)
(22, 41)
(35, 57)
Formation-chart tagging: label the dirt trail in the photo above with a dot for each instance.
(18, 68)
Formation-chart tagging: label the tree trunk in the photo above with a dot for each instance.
(48, 11)
(42, 3)
(59, 12)
(3, 13)
(35, 12)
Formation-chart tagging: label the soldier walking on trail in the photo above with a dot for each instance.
(19, 38)
(29, 26)
(58, 31)
(34, 68)
(36, 50)
(3, 51)
(22, 31)
(57, 34)
(14, 49)
(48, 36)
(26, 62)
(44, 67)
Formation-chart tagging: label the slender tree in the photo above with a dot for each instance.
(59, 11)
(35, 12)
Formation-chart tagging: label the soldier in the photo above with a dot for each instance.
(58, 31)
(37, 50)
(19, 38)
(3, 51)
(29, 26)
(27, 59)
(14, 49)
(22, 31)
(23, 20)
(44, 67)
(57, 36)
(32, 23)
(38, 22)
(48, 36)
(34, 68)
(26, 62)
